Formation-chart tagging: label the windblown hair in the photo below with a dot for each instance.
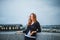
(34, 17)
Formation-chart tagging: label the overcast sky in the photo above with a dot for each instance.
(18, 11)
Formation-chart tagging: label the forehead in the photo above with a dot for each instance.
(31, 15)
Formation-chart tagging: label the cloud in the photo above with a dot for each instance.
(18, 11)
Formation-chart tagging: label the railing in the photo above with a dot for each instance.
(17, 27)
(10, 27)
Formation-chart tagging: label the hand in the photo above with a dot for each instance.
(32, 32)
(19, 32)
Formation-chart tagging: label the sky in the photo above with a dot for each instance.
(18, 11)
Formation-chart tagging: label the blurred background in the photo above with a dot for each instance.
(18, 11)
(14, 15)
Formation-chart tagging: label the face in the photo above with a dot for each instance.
(32, 18)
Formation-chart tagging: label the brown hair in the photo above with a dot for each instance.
(30, 21)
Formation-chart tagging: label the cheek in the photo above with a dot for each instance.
(32, 18)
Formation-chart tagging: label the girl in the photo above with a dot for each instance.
(33, 27)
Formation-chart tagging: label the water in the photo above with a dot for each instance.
(40, 36)
(53, 33)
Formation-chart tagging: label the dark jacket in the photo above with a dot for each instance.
(33, 27)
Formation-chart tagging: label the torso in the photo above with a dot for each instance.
(28, 34)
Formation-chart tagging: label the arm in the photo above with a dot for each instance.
(27, 28)
(24, 31)
(38, 27)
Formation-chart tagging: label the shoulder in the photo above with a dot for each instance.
(37, 22)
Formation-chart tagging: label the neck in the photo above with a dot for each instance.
(33, 21)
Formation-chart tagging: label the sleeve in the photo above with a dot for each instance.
(38, 27)
(24, 31)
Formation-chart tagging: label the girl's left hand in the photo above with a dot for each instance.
(32, 32)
